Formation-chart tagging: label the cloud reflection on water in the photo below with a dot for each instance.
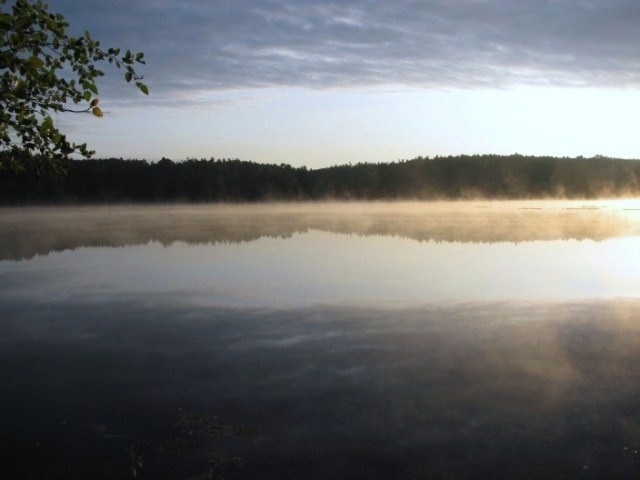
(501, 390)
(361, 340)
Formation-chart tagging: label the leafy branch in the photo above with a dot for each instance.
(43, 71)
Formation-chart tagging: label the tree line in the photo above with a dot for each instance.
(233, 180)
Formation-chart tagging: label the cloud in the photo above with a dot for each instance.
(203, 45)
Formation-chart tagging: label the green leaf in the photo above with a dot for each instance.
(5, 20)
(34, 63)
(22, 23)
(143, 88)
(46, 126)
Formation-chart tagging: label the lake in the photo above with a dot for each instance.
(330, 340)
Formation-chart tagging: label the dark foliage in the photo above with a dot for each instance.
(460, 177)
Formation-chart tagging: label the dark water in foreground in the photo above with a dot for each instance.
(317, 352)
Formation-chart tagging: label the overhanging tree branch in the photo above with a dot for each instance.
(43, 71)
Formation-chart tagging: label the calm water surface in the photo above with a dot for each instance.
(384, 340)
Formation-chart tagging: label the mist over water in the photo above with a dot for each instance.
(26, 232)
(383, 340)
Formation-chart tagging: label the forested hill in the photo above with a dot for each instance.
(459, 177)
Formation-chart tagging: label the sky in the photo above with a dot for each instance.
(320, 83)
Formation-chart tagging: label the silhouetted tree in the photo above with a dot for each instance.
(233, 180)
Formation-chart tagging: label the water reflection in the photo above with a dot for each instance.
(307, 341)
(38, 231)
(492, 390)
(334, 269)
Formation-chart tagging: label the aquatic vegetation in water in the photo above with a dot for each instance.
(177, 445)
(202, 426)
(135, 460)
(187, 435)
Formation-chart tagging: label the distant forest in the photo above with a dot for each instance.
(225, 180)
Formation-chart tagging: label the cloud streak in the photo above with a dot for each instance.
(204, 45)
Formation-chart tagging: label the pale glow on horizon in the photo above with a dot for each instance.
(319, 128)
(321, 268)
